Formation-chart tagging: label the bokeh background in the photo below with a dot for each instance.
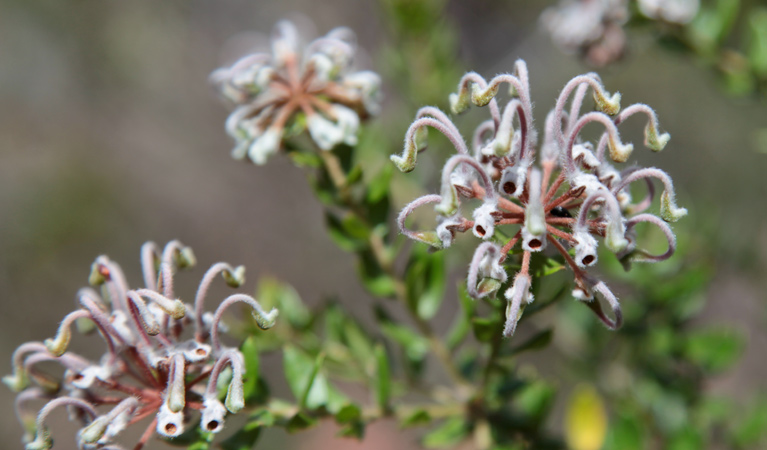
(110, 135)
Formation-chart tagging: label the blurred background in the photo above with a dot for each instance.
(110, 135)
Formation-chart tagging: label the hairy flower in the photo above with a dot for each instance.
(152, 365)
(314, 89)
(567, 202)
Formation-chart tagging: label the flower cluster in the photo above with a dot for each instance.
(591, 28)
(574, 196)
(594, 28)
(152, 365)
(316, 89)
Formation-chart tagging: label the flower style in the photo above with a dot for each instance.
(588, 198)
(316, 90)
(592, 28)
(151, 366)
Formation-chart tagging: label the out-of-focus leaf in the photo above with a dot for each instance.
(687, 439)
(348, 233)
(415, 418)
(534, 400)
(586, 419)
(302, 372)
(750, 431)
(378, 187)
(354, 176)
(350, 416)
(244, 438)
(305, 159)
(462, 324)
(487, 328)
(537, 341)
(251, 385)
(757, 51)
(416, 347)
(425, 281)
(625, 433)
(348, 343)
(449, 433)
(273, 293)
(714, 349)
(299, 422)
(383, 378)
(373, 277)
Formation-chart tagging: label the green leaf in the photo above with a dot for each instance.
(305, 159)
(450, 433)
(337, 230)
(378, 187)
(536, 342)
(415, 418)
(715, 349)
(350, 416)
(535, 400)
(462, 324)
(249, 350)
(383, 378)
(300, 422)
(244, 439)
(626, 433)
(354, 176)
(373, 277)
(757, 50)
(274, 293)
(425, 282)
(302, 372)
(487, 328)
(751, 429)
(349, 339)
(687, 439)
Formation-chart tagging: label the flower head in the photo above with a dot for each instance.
(572, 198)
(314, 88)
(152, 366)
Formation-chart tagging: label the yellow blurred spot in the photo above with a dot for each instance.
(585, 420)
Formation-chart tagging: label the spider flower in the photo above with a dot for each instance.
(159, 353)
(564, 196)
(313, 88)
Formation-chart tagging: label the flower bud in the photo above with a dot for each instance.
(194, 351)
(59, 344)
(265, 146)
(169, 423)
(213, 413)
(234, 278)
(668, 209)
(482, 96)
(328, 134)
(585, 249)
(459, 102)
(610, 105)
(533, 242)
(484, 220)
(653, 140)
(95, 430)
(513, 180)
(42, 441)
(368, 85)
(266, 320)
(615, 236)
(584, 154)
(235, 396)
